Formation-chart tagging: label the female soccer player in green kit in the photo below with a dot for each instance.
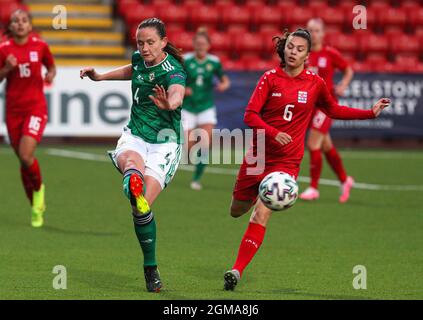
(199, 111)
(149, 150)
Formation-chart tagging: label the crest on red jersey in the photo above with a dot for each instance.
(33, 56)
(302, 96)
(322, 62)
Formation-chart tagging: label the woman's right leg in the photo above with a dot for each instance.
(131, 164)
(142, 193)
(314, 145)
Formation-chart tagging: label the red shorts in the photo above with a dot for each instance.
(31, 124)
(320, 122)
(247, 184)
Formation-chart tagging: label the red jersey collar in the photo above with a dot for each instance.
(282, 73)
(12, 40)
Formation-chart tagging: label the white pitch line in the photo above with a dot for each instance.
(328, 182)
(346, 154)
(360, 155)
(375, 155)
(77, 155)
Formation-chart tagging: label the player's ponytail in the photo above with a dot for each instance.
(161, 30)
(281, 42)
(175, 52)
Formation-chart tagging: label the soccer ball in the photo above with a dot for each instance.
(278, 191)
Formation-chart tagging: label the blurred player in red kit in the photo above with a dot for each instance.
(324, 60)
(21, 59)
(282, 105)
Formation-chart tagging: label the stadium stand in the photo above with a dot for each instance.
(241, 30)
(92, 35)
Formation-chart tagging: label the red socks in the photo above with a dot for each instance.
(250, 243)
(27, 184)
(34, 174)
(31, 178)
(315, 167)
(335, 162)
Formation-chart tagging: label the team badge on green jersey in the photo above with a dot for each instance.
(147, 121)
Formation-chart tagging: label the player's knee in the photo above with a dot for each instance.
(26, 158)
(130, 164)
(239, 208)
(326, 147)
(312, 145)
(237, 211)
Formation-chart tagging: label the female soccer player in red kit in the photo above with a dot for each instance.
(324, 60)
(282, 105)
(21, 59)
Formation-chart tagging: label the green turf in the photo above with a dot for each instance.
(308, 253)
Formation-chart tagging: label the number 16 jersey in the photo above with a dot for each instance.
(24, 87)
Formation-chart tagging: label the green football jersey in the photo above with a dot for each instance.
(200, 80)
(147, 120)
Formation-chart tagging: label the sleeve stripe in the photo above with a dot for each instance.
(167, 66)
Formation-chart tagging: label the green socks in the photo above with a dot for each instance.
(144, 224)
(145, 229)
(201, 166)
(126, 190)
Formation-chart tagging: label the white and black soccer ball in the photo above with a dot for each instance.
(278, 191)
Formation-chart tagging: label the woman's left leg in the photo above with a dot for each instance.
(335, 162)
(31, 178)
(205, 131)
(250, 244)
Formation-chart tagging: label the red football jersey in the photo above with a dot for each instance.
(281, 103)
(24, 87)
(325, 62)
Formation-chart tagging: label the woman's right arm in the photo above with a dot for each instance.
(255, 105)
(3, 73)
(121, 73)
(9, 63)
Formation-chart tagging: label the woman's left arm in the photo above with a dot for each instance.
(348, 74)
(170, 99)
(224, 83)
(335, 111)
(51, 74)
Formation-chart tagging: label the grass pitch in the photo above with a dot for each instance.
(309, 251)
